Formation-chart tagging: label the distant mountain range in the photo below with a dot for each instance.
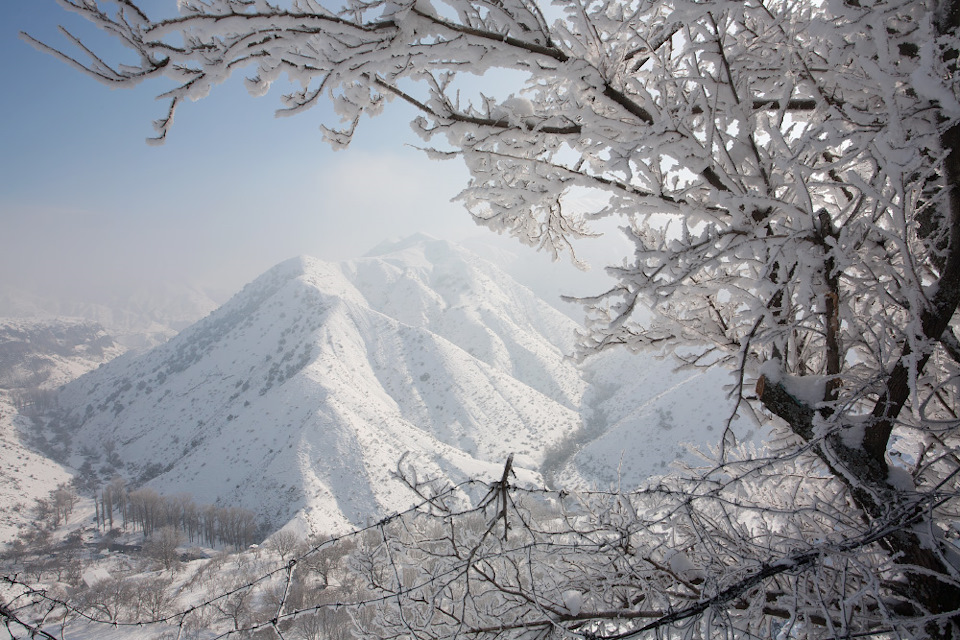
(134, 319)
(297, 397)
(48, 353)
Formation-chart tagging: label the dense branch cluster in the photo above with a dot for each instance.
(682, 558)
(786, 171)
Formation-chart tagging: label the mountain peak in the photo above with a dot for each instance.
(399, 244)
(299, 395)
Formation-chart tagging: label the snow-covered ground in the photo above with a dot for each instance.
(36, 358)
(25, 475)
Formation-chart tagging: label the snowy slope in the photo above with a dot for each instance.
(36, 357)
(298, 397)
(25, 475)
(478, 307)
(642, 415)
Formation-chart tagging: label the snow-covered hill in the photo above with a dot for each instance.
(298, 396)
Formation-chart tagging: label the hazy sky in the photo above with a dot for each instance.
(85, 202)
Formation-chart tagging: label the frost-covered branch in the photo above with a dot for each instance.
(786, 174)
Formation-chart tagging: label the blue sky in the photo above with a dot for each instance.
(86, 205)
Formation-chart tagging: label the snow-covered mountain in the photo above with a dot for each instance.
(298, 396)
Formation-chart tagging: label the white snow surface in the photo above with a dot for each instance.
(644, 415)
(25, 475)
(37, 356)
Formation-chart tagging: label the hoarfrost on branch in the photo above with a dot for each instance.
(786, 171)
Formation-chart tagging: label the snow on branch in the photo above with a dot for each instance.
(784, 173)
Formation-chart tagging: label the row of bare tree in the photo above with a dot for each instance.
(146, 510)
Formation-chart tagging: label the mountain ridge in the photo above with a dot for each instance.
(298, 397)
(319, 390)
